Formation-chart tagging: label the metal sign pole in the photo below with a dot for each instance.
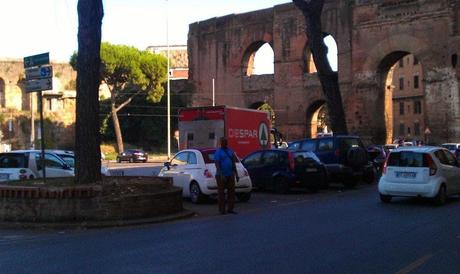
(42, 137)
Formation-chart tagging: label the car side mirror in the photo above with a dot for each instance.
(167, 165)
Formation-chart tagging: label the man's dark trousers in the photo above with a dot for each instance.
(226, 182)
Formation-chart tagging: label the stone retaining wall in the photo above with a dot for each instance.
(145, 198)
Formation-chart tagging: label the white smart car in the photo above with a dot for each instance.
(194, 171)
(431, 172)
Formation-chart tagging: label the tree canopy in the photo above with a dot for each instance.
(129, 72)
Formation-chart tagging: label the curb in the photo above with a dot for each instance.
(98, 224)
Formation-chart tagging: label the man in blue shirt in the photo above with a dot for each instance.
(226, 173)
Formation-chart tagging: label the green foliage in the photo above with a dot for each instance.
(127, 70)
(143, 123)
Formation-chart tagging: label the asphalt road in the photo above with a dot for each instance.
(333, 231)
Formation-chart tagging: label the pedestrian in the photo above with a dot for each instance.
(226, 174)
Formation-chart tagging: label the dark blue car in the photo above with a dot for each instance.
(281, 170)
(345, 157)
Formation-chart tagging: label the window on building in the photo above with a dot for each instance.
(417, 129)
(416, 79)
(415, 60)
(408, 130)
(417, 107)
(401, 108)
(401, 62)
(401, 83)
(402, 127)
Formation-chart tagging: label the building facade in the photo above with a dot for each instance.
(408, 99)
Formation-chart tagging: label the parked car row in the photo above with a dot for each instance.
(309, 164)
(27, 164)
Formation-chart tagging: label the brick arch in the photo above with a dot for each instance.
(388, 50)
(312, 117)
(247, 62)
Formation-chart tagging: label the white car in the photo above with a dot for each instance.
(26, 164)
(431, 172)
(452, 147)
(194, 171)
(69, 157)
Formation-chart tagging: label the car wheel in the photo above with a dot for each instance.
(369, 175)
(196, 196)
(350, 181)
(385, 198)
(324, 179)
(118, 160)
(243, 196)
(357, 157)
(441, 197)
(281, 185)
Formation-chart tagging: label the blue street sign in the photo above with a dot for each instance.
(39, 72)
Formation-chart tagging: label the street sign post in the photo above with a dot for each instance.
(39, 76)
(37, 60)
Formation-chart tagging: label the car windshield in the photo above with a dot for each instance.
(450, 147)
(12, 160)
(69, 159)
(407, 159)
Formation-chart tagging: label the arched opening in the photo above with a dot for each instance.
(2, 93)
(258, 59)
(404, 97)
(318, 119)
(332, 55)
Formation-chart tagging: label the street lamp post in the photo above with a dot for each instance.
(168, 95)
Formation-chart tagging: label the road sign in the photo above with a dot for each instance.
(39, 84)
(39, 72)
(37, 60)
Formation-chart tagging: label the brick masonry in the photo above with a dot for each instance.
(153, 197)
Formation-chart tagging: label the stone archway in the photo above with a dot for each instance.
(316, 118)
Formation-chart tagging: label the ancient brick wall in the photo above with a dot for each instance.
(371, 36)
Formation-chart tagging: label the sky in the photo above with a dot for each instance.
(30, 27)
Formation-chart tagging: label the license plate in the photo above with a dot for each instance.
(400, 174)
(4, 176)
(311, 170)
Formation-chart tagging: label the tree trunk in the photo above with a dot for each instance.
(312, 10)
(116, 127)
(87, 136)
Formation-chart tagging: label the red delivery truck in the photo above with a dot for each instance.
(247, 130)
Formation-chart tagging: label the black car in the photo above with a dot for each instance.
(345, 157)
(133, 155)
(281, 170)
